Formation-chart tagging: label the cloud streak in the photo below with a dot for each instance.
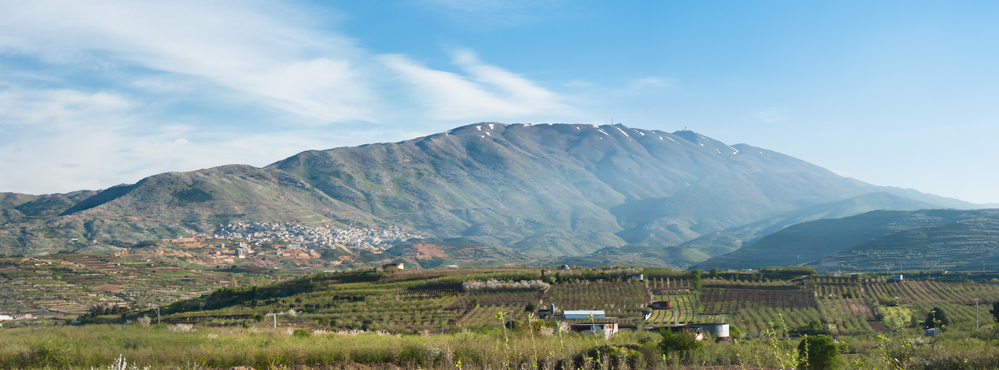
(485, 92)
(240, 47)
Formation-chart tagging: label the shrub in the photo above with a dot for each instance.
(301, 333)
(680, 344)
(818, 352)
(49, 353)
(734, 332)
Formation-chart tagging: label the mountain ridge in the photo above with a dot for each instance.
(544, 189)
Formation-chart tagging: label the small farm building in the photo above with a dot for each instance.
(897, 277)
(393, 266)
(605, 329)
(715, 330)
(545, 313)
(569, 315)
(661, 305)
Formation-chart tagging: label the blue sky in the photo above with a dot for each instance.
(97, 93)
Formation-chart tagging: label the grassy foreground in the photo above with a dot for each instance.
(164, 346)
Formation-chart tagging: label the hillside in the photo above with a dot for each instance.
(963, 245)
(545, 190)
(814, 240)
(730, 239)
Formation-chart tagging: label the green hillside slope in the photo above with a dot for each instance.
(728, 240)
(963, 245)
(818, 239)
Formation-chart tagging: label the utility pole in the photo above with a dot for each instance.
(976, 314)
(157, 309)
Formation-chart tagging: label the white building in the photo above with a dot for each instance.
(569, 315)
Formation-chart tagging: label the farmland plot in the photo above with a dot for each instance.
(728, 301)
(598, 296)
(685, 310)
(500, 298)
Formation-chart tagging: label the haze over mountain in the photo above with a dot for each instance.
(543, 189)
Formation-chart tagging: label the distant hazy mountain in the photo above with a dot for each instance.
(873, 239)
(541, 189)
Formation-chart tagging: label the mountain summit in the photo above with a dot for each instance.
(543, 189)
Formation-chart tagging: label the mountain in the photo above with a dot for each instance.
(731, 239)
(828, 240)
(541, 189)
(568, 189)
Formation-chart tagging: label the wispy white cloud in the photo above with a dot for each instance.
(55, 109)
(243, 46)
(63, 140)
(486, 92)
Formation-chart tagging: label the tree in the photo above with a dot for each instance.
(995, 311)
(713, 273)
(813, 327)
(936, 319)
(530, 307)
(818, 352)
(695, 277)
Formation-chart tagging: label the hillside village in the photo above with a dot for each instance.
(314, 237)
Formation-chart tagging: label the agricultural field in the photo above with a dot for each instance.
(686, 309)
(480, 303)
(66, 285)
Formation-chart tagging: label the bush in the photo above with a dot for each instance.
(734, 332)
(818, 353)
(301, 333)
(680, 344)
(49, 353)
